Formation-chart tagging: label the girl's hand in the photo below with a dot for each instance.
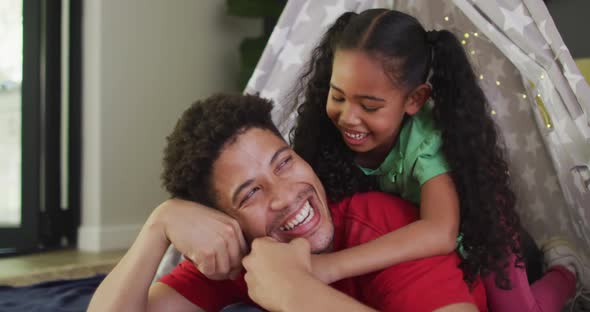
(276, 271)
(212, 240)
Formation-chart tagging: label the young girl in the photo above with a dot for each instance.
(366, 122)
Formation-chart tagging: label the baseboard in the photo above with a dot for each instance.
(103, 238)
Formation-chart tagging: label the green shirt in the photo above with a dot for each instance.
(416, 157)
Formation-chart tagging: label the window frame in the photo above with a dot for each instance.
(45, 224)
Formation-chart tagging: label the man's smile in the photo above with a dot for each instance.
(302, 221)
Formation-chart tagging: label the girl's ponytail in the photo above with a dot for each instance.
(477, 163)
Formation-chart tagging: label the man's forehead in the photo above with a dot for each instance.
(250, 153)
(261, 142)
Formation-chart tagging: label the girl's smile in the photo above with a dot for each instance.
(352, 137)
(366, 106)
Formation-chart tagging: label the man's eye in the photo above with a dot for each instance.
(285, 162)
(249, 194)
(337, 99)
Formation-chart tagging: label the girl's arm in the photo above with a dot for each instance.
(435, 233)
(279, 279)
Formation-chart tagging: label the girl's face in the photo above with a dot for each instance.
(366, 107)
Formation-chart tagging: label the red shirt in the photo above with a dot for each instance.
(420, 285)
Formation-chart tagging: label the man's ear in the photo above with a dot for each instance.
(417, 98)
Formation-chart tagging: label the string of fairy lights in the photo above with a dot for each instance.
(538, 99)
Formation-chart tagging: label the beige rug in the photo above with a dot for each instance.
(63, 272)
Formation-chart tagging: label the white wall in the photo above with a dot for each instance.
(144, 62)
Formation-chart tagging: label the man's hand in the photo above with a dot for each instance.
(273, 270)
(212, 240)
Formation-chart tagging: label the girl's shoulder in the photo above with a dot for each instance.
(422, 135)
(424, 157)
(423, 121)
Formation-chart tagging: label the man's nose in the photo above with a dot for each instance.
(283, 195)
(348, 115)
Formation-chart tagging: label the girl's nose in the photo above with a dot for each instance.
(348, 116)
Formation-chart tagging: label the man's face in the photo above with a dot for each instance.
(260, 181)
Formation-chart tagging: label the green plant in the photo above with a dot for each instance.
(251, 48)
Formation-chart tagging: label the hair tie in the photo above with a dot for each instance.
(432, 36)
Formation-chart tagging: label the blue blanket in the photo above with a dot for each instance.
(54, 296)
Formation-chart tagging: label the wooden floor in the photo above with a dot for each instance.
(29, 269)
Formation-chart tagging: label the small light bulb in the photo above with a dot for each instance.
(463, 42)
(446, 18)
(497, 82)
(466, 35)
(480, 77)
(524, 96)
(476, 34)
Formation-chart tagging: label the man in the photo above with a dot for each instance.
(225, 152)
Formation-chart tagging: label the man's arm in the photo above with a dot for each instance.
(127, 285)
(201, 234)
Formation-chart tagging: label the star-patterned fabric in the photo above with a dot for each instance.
(526, 72)
(549, 141)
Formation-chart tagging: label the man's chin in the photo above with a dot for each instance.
(324, 249)
(322, 242)
(318, 243)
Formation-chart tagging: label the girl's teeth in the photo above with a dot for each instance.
(356, 136)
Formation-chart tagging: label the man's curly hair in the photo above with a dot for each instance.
(408, 53)
(199, 137)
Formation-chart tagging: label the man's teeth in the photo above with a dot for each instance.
(305, 215)
(356, 136)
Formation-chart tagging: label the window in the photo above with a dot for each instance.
(39, 127)
(11, 31)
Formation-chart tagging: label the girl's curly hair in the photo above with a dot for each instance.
(489, 223)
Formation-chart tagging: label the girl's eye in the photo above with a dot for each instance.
(369, 109)
(249, 194)
(337, 99)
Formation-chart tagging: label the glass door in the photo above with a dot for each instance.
(18, 220)
(39, 169)
(11, 74)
